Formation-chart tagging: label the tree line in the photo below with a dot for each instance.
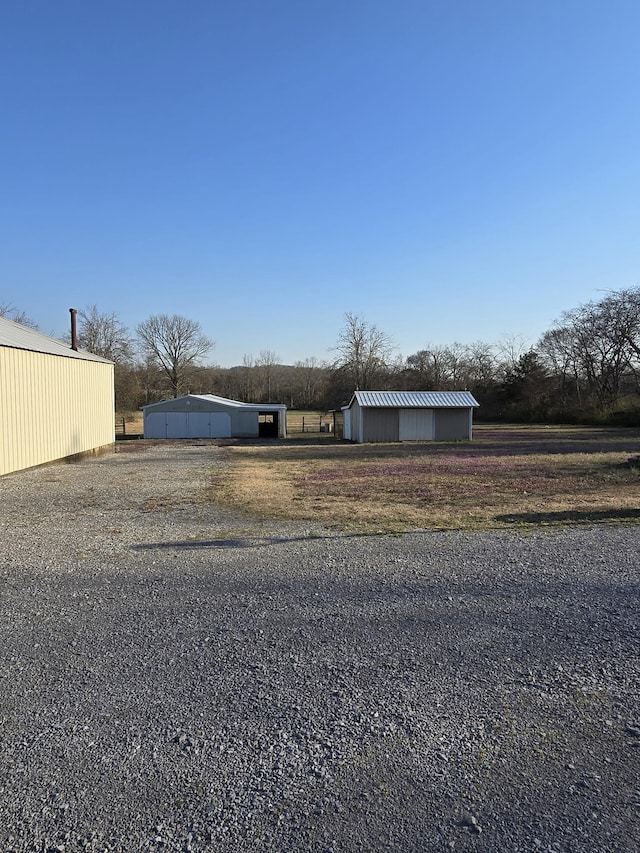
(586, 368)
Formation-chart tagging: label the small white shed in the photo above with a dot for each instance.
(209, 416)
(409, 416)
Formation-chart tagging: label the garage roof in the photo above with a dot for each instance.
(414, 399)
(223, 401)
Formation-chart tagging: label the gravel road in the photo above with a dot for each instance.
(176, 678)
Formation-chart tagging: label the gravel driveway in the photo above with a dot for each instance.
(175, 678)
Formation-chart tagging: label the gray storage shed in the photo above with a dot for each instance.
(208, 416)
(409, 416)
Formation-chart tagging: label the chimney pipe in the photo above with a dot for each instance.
(74, 333)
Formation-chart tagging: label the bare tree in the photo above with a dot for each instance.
(428, 368)
(482, 366)
(558, 354)
(104, 335)
(248, 378)
(175, 343)
(511, 349)
(266, 363)
(364, 353)
(310, 376)
(11, 313)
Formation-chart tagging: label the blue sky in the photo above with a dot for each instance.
(451, 170)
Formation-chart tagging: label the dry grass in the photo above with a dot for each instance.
(504, 477)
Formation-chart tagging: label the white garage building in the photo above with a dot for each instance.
(208, 416)
(409, 416)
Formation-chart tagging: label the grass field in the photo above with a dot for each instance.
(506, 477)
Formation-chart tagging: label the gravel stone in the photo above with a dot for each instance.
(177, 677)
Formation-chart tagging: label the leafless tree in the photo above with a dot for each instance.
(482, 365)
(175, 343)
(428, 368)
(310, 376)
(105, 335)
(364, 352)
(594, 349)
(267, 363)
(11, 313)
(511, 349)
(248, 378)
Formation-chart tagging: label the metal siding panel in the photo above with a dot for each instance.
(356, 422)
(381, 425)
(416, 425)
(244, 424)
(53, 407)
(452, 425)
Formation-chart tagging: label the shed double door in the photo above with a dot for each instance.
(187, 425)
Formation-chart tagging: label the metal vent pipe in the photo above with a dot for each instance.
(74, 332)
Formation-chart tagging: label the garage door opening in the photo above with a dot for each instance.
(268, 424)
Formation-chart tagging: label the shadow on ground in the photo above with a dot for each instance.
(570, 516)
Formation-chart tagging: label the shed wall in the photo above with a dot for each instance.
(416, 425)
(452, 424)
(244, 424)
(52, 407)
(380, 424)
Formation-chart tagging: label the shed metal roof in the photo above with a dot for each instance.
(414, 399)
(18, 336)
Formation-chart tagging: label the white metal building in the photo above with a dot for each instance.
(55, 402)
(208, 416)
(409, 416)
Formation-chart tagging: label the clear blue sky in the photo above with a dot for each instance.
(456, 170)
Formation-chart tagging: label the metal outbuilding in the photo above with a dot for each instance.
(208, 416)
(409, 416)
(55, 401)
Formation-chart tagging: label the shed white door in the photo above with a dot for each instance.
(416, 425)
(165, 425)
(155, 425)
(177, 424)
(346, 429)
(209, 425)
(187, 425)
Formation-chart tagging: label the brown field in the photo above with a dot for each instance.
(505, 477)
(129, 423)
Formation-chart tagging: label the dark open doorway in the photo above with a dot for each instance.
(268, 424)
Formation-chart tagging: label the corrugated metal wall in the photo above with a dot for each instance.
(244, 424)
(381, 424)
(416, 425)
(451, 424)
(52, 407)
